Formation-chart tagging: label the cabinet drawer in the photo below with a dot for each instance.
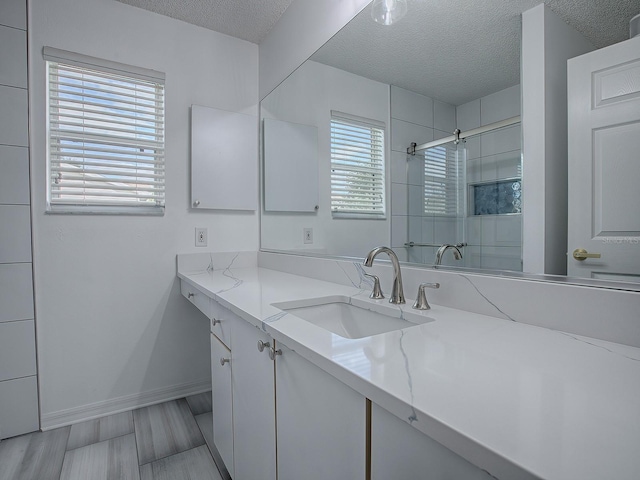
(197, 297)
(221, 320)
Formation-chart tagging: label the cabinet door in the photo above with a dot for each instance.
(401, 452)
(320, 422)
(253, 404)
(222, 402)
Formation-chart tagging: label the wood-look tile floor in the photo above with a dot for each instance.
(168, 441)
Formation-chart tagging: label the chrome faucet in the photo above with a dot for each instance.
(457, 254)
(397, 295)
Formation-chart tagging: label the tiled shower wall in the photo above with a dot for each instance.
(494, 241)
(18, 381)
(420, 119)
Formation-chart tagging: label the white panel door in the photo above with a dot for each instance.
(224, 159)
(320, 421)
(222, 402)
(254, 410)
(604, 162)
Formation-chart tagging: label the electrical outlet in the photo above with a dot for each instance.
(307, 234)
(201, 237)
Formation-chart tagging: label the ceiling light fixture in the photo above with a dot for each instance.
(387, 12)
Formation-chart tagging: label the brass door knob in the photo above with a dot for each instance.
(581, 254)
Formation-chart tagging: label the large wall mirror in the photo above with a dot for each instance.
(445, 79)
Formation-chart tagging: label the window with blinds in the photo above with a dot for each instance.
(357, 167)
(105, 136)
(441, 181)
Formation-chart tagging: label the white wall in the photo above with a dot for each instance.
(113, 330)
(307, 97)
(547, 44)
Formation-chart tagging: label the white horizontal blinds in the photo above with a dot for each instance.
(441, 180)
(106, 139)
(357, 167)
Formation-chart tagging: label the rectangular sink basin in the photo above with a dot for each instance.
(353, 317)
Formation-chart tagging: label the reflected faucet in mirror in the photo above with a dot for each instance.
(397, 294)
(457, 254)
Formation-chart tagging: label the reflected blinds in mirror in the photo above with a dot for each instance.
(441, 174)
(357, 167)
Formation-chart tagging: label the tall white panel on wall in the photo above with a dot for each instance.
(224, 159)
(290, 166)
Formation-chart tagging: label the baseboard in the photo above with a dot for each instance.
(82, 413)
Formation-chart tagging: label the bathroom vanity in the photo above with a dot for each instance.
(450, 391)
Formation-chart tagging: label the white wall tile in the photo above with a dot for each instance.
(17, 349)
(15, 234)
(428, 229)
(13, 13)
(13, 120)
(19, 412)
(445, 230)
(399, 230)
(13, 57)
(472, 147)
(500, 141)
(404, 133)
(398, 167)
(474, 230)
(500, 105)
(501, 258)
(416, 233)
(411, 107)
(16, 292)
(415, 170)
(504, 165)
(398, 199)
(468, 115)
(444, 116)
(508, 230)
(14, 175)
(474, 170)
(416, 200)
(472, 256)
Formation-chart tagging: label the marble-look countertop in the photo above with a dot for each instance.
(517, 400)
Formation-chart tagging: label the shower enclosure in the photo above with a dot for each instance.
(466, 191)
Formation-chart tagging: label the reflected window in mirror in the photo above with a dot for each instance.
(357, 167)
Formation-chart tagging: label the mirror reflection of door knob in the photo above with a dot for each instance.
(581, 254)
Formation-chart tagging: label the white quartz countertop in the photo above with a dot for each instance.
(519, 401)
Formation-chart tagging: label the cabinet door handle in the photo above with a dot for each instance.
(224, 360)
(215, 321)
(191, 295)
(273, 353)
(262, 345)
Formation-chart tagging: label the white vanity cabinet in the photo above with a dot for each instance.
(401, 452)
(254, 420)
(321, 423)
(222, 401)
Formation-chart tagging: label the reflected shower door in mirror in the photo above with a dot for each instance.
(465, 193)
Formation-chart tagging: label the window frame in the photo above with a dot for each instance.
(360, 122)
(154, 148)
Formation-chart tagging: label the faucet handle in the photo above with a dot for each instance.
(421, 301)
(376, 293)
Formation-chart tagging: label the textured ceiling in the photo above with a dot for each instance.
(246, 19)
(452, 50)
(459, 50)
